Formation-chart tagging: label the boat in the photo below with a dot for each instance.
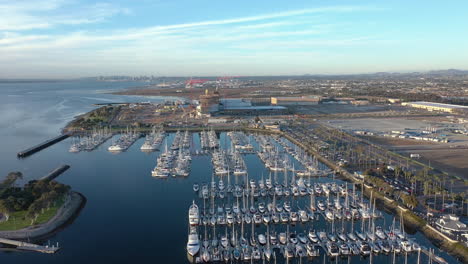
(332, 249)
(282, 238)
(406, 246)
(293, 238)
(300, 253)
(302, 238)
(364, 248)
(311, 250)
(224, 241)
(352, 237)
(193, 244)
(385, 246)
(289, 252)
(262, 239)
(313, 236)
(194, 214)
(380, 233)
(361, 235)
(344, 250)
(196, 187)
(342, 237)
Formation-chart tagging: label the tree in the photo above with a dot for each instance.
(5, 209)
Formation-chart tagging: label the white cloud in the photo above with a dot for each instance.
(262, 39)
(33, 14)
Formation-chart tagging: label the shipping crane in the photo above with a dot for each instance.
(189, 83)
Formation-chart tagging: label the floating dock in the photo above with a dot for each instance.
(41, 146)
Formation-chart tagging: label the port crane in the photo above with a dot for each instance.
(189, 83)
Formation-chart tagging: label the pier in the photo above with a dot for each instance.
(55, 173)
(30, 246)
(41, 146)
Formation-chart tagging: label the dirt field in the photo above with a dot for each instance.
(452, 160)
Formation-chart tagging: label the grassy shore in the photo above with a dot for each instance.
(18, 220)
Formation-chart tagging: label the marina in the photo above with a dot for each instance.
(175, 160)
(92, 141)
(125, 141)
(153, 140)
(281, 215)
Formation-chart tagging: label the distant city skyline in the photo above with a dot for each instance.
(79, 38)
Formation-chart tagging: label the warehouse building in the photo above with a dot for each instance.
(304, 100)
(439, 107)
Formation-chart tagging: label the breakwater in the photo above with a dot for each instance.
(41, 146)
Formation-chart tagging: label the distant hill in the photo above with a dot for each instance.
(448, 72)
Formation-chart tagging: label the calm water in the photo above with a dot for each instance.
(129, 215)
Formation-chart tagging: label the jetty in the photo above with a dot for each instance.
(41, 146)
(21, 245)
(55, 173)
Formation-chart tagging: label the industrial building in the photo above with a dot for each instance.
(304, 100)
(245, 107)
(439, 107)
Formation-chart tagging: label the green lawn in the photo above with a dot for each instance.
(19, 221)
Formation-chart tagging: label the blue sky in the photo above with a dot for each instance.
(75, 38)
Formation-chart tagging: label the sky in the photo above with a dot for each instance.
(80, 38)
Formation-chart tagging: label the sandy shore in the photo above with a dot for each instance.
(69, 208)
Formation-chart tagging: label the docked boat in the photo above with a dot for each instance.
(313, 236)
(194, 214)
(332, 249)
(364, 248)
(193, 244)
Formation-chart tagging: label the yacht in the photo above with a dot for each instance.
(364, 248)
(303, 216)
(321, 205)
(385, 246)
(311, 250)
(262, 239)
(282, 238)
(333, 249)
(406, 246)
(293, 238)
(300, 251)
(313, 236)
(193, 244)
(379, 233)
(194, 214)
(224, 241)
(115, 148)
(302, 238)
(74, 148)
(344, 250)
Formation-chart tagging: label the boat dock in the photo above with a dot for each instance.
(30, 246)
(41, 146)
(55, 173)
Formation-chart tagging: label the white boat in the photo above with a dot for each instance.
(332, 249)
(115, 148)
(262, 239)
(194, 214)
(313, 236)
(352, 237)
(74, 148)
(193, 244)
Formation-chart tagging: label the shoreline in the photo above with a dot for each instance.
(70, 208)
